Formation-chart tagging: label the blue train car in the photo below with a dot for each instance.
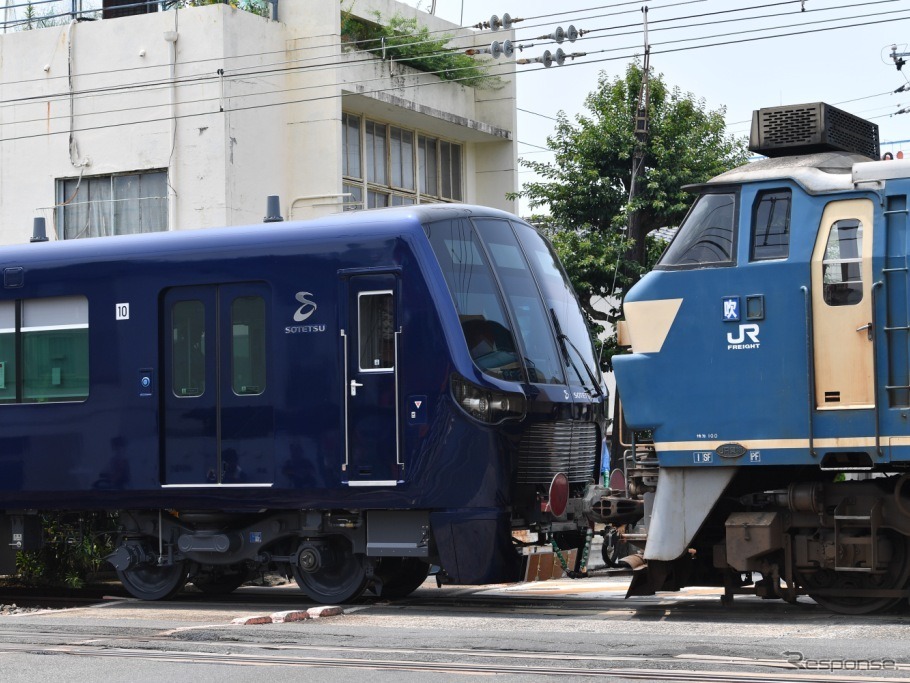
(767, 398)
(348, 400)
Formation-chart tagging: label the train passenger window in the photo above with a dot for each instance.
(376, 323)
(842, 266)
(7, 351)
(188, 337)
(55, 349)
(771, 226)
(486, 327)
(248, 345)
(706, 236)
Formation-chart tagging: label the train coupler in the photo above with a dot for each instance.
(603, 506)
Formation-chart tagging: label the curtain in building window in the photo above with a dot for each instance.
(112, 205)
(376, 153)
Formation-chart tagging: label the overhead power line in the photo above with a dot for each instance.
(309, 99)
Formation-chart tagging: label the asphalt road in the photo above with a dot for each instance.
(553, 630)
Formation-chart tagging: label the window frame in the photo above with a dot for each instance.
(734, 243)
(77, 319)
(67, 196)
(410, 186)
(760, 197)
(857, 260)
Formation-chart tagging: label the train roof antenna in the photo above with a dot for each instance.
(39, 230)
(272, 210)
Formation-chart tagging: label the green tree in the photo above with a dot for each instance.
(586, 186)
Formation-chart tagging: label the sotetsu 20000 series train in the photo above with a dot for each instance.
(348, 400)
(771, 371)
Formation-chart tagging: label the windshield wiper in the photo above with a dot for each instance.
(563, 341)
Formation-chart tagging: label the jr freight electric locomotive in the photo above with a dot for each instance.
(767, 397)
(349, 401)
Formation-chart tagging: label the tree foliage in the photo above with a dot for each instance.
(405, 40)
(586, 186)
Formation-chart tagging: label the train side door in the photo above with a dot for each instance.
(218, 414)
(842, 306)
(371, 381)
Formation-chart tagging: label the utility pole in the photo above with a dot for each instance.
(641, 142)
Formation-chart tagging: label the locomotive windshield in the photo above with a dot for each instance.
(479, 256)
(705, 237)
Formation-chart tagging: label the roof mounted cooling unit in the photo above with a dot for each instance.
(811, 128)
(111, 9)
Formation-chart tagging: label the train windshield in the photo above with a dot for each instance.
(483, 318)
(705, 237)
(528, 311)
(537, 307)
(563, 305)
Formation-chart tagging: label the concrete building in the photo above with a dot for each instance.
(190, 118)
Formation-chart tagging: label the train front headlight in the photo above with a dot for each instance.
(486, 405)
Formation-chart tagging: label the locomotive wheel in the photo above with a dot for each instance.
(400, 576)
(339, 575)
(220, 581)
(896, 577)
(151, 582)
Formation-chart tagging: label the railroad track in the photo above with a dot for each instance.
(456, 661)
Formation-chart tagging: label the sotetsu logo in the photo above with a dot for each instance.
(307, 309)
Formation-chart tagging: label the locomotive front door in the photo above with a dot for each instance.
(842, 306)
(371, 381)
(218, 415)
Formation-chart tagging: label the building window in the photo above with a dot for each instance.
(428, 165)
(350, 146)
(401, 167)
(450, 170)
(101, 206)
(401, 158)
(44, 350)
(771, 226)
(376, 153)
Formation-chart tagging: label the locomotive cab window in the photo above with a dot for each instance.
(376, 317)
(842, 264)
(771, 226)
(706, 236)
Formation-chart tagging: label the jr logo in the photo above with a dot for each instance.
(307, 309)
(749, 331)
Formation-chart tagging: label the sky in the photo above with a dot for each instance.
(849, 66)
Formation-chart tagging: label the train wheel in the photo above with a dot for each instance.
(896, 577)
(151, 582)
(330, 571)
(400, 576)
(220, 581)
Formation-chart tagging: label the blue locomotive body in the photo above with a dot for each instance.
(350, 399)
(770, 356)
